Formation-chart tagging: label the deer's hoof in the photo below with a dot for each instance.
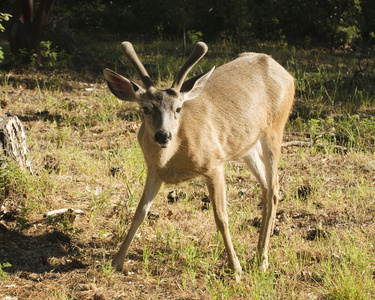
(117, 263)
(263, 265)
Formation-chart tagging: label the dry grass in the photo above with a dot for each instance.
(83, 142)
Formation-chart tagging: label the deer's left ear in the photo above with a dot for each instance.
(193, 87)
(121, 87)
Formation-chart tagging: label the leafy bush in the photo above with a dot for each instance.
(3, 17)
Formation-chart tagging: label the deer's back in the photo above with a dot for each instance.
(241, 100)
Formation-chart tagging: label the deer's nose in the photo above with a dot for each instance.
(163, 138)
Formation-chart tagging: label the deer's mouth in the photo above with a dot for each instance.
(166, 145)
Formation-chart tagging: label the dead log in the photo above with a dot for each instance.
(13, 144)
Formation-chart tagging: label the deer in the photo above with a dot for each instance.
(236, 111)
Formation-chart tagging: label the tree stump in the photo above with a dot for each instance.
(13, 143)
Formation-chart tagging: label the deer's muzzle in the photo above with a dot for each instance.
(163, 138)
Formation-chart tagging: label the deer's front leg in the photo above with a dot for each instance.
(216, 187)
(152, 186)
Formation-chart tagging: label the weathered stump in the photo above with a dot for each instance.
(13, 143)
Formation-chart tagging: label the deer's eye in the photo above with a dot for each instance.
(147, 110)
(178, 110)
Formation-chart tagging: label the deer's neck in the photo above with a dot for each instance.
(154, 154)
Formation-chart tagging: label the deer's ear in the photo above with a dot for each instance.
(193, 87)
(121, 87)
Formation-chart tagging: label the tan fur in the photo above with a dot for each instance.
(240, 113)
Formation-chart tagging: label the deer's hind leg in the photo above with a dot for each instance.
(262, 159)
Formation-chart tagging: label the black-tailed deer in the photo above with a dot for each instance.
(191, 129)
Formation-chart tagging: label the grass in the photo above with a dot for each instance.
(85, 156)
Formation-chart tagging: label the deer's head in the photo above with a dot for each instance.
(161, 108)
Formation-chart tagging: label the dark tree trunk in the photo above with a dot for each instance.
(27, 31)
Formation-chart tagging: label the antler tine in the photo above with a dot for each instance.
(128, 50)
(198, 52)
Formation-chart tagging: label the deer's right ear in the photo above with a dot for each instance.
(121, 87)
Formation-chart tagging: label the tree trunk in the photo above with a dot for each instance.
(13, 143)
(26, 31)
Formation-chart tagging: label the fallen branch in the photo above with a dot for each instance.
(63, 211)
(310, 144)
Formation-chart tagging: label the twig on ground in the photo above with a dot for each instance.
(63, 211)
(310, 144)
